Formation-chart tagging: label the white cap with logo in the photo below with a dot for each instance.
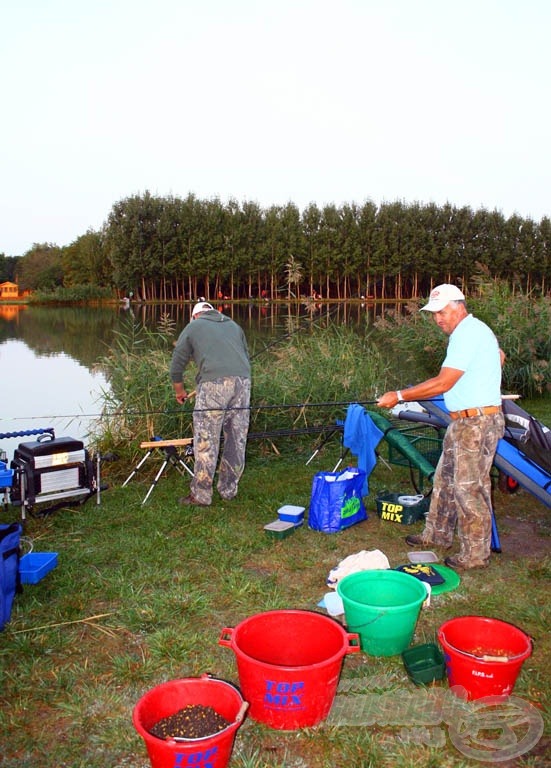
(441, 296)
(201, 306)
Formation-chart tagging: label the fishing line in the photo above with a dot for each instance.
(170, 412)
(132, 413)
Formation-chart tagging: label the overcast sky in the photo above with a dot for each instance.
(269, 101)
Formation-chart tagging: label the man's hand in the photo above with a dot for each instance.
(388, 400)
(180, 394)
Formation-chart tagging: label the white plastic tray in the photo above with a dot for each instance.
(423, 557)
(278, 525)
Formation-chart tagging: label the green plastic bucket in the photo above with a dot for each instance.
(382, 607)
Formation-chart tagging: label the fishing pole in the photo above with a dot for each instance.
(170, 412)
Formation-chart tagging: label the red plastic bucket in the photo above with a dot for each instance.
(483, 655)
(289, 664)
(167, 699)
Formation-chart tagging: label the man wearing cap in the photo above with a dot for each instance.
(218, 347)
(470, 380)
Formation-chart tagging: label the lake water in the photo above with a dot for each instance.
(49, 377)
(49, 356)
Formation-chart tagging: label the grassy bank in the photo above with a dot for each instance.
(141, 594)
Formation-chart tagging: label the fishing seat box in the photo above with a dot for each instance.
(51, 470)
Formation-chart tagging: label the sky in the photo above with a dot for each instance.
(271, 101)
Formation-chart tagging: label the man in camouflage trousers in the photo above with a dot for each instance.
(470, 380)
(218, 347)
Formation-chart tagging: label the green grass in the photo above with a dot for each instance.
(166, 580)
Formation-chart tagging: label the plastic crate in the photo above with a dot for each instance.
(35, 565)
(6, 477)
(279, 529)
(424, 663)
(392, 509)
(291, 514)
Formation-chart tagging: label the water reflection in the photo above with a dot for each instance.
(49, 355)
(269, 317)
(82, 333)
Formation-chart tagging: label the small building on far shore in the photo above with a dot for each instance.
(9, 291)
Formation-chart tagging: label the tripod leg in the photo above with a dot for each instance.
(135, 470)
(320, 446)
(340, 461)
(178, 463)
(154, 483)
(185, 466)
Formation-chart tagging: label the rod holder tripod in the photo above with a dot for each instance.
(171, 457)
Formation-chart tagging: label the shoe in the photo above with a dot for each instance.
(417, 540)
(459, 565)
(191, 501)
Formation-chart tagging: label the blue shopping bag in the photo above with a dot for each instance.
(336, 500)
(10, 582)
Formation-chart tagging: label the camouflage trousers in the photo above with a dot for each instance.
(229, 399)
(462, 491)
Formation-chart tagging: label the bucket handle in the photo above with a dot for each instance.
(238, 719)
(354, 642)
(225, 637)
(486, 657)
(353, 639)
(242, 710)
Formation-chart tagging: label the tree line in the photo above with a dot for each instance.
(172, 249)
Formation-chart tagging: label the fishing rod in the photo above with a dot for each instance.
(170, 412)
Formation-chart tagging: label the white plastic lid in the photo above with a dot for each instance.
(333, 604)
(279, 525)
(422, 557)
(289, 509)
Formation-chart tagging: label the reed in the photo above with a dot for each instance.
(519, 320)
(302, 382)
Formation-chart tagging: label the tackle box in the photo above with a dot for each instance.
(49, 470)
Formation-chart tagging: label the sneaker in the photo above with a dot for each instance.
(458, 565)
(191, 501)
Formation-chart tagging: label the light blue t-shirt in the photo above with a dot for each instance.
(473, 348)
